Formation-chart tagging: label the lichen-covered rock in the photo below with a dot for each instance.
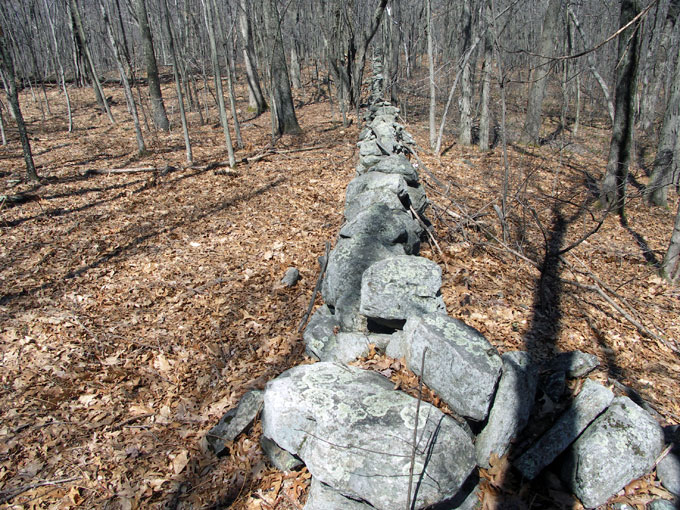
(323, 497)
(343, 347)
(400, 165)
(375, 180)
(618, 447)
(397, 288)
(280, 458)
(511, 407)
(320, 329)
(387, 226)
(588, 404)
(574, 363)
(354, 432)
(371, 197)
(341, 287)
(461, 365)
(668, 471)
(234, 422)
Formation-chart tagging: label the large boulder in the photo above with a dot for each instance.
(347, 262)
(369, 197)
(511, 407)
(388, 226)
(355, 433)
(400, 165)
(323, 497)
(588, 405)
(397, 288)
(460, 365)
(618, 447)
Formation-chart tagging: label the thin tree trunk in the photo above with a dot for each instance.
(669, 140)
(465, 126)
(160, 117)
(209, 21)
(178, 87)
(62, 77)
(295, 67)
(532, 123)
(430, 65)
(77, 19)
(7, 66)
(613, 192)
(2, 126)
(257, 101)
(141, 147)
(484, 118)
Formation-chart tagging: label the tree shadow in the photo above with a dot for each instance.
(648, 254)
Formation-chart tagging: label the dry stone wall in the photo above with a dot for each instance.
(369, 446)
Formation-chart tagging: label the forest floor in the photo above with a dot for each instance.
(136, 308)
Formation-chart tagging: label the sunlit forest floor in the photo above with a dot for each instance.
(136, 308)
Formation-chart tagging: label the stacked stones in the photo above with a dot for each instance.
(369, 446)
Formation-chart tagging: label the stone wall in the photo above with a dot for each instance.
(368, 445)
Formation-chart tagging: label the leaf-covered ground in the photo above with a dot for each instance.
(136, 308)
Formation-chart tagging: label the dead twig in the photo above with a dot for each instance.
(434, 241)
(415, 431)
(324, 265)
(10, 494)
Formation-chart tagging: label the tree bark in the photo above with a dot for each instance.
(484, 117)
(613, 190)
(430, 65)
(62, 76)
(670, 267)
(465, 126)
(256, 97)
(13, 97)
(532, 123)
(285, 121)
(160, 117)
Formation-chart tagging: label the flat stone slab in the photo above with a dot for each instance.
(460, 365)
(354, 432)
(398, 164)
(323, 497)
(618, 447)
(511, 408)
(234, 422)
(574, 363)
(370, 197)
(400, 287)
(588, 405)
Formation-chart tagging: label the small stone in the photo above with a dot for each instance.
(661, 504)
(280, 458)
(588, 404)
(668, 471)
(291, 277)
(574, 363)
(234, 422)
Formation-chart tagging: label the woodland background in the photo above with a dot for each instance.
(142, 251)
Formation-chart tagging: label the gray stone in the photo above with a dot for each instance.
(291, 277)
(398, 164)
(388, 226)
(618, 447)
(347, 262)
(341, 348)
(319, 331)
(461, 365)
(588, 405)
(386, 133)
(554, 384)
(574, 363)
(234, 422)
(354, 432)
(668, 471)
(370, 197)
(416, 195)
(375, 180)
(661, 504)
(397, 288)
(323, 497)
(511, 407)
(280, 458)
(369, 152)
(397, 348)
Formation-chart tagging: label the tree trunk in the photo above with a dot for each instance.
(295, 67)
(430, 65)
(465, 126)
(285, 121)
(670, 267)
(13, 97)
(62, 76)
(484, 120)
(160, 118)
(613, 192)
(257, 101)
(209, 21)
(532, 123)
(178, 86)
(141, 147)
(80, 30)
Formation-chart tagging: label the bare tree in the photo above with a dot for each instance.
(7, 68)
(670, 267)
(257, 101)
(613, 188)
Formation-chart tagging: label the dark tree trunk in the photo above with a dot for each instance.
(257, 101)
(613, 192)
(160, 117)
(284, 111)
(13, 98)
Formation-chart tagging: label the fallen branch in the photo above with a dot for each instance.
(434, 241)
(10, 494)
(270, 152)
(131, 170)
(317, 287)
